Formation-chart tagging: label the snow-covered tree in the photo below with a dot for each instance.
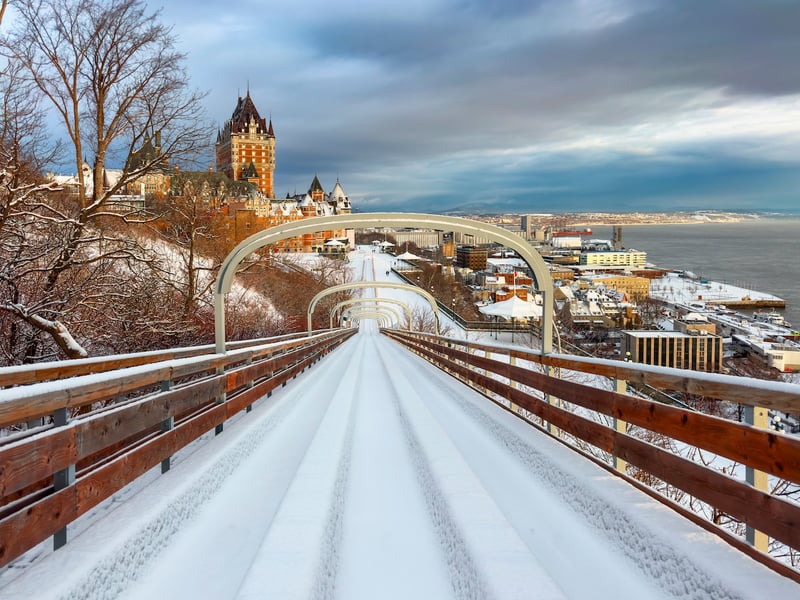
(109, 72)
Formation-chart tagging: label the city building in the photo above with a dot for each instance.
(622, 258)
(694, 323)
(635, 288)
(472, 257)
(245, 148)
(783, 356)
(245, 151)
(567, 239)
(699, 351)
(314, 203)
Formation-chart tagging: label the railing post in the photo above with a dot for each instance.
(620, 387)
(63, 478)
(757, 417)
(512, 360)
(166, 425)
(220, 400)
(551, 429)
(250, 383)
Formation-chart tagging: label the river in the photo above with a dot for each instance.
(762, 255)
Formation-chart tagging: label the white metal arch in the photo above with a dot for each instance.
(376, 301)
(255, 242)
(386, 311)
(383, 319)
(342, 287)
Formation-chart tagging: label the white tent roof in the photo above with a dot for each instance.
(334, 243)
(514, 307)
(386, 244)
(407, 256)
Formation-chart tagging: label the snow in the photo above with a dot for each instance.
(689, 289)
(376, 475)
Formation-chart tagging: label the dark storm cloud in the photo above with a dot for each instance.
(411, 100)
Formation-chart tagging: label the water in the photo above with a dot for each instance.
(762, 255)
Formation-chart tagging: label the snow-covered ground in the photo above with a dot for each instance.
(686, 290)
(375, 475)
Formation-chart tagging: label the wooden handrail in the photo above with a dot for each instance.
(762, 450)
(122, 440)
(38, 372)
(20, 404)
(774, 395)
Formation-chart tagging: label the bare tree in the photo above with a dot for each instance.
(111, 75)
(190, 231)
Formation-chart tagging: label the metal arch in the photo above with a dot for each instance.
(383, 320)
(376, 300)
(386, 311)
(373, 284)
(544, 281)
(382, 317)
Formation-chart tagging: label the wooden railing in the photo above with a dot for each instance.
(79, 439)
(38, 372)
(497, 372)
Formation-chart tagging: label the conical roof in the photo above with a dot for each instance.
(338, 192)
(245, 112)
(316, 186)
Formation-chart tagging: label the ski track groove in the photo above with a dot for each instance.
(465, 577)
(115, 572)
(325, 580)
(654, 557)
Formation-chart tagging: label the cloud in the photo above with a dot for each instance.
(471, 102)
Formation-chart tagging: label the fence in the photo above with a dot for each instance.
(493, 370)
(99, 424)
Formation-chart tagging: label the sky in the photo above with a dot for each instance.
(514, 105)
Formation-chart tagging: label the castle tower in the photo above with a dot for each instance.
(339, 200)
(245, 147)
(315, 191)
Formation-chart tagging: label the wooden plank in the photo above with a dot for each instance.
(764, 450)
(24, 529)
(26, 374)
(104, 430)
(32, 405)
(776, 517)
(30, 525)
(774, 395)
(32, 460)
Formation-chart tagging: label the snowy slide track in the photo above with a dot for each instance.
(375, 475)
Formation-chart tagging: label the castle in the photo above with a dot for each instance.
(241, 190)
(245, 151)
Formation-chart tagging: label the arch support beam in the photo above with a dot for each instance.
(376, 301)
(383, 312)
(342, 287)
(261, 239)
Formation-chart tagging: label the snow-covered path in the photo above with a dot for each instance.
(375, 475)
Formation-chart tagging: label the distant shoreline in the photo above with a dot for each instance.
(662, 218)
(607, 219)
